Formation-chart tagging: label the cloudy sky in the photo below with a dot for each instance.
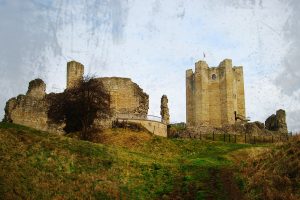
(153, 42)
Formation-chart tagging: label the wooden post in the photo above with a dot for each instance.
(234, 138)
(213, 136)
(245, 138)
(224, 137)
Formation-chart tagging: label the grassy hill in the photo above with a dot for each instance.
(126, 165)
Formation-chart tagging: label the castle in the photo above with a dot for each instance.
(214, 98)
(128, 102)
(214, 95)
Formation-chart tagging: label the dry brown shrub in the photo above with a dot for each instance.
(274, 174)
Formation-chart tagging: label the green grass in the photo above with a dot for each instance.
(39, 165)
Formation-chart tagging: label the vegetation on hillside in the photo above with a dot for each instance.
(129, 165)
(275, 174)
(137, 165)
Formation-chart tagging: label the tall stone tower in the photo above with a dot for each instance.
(75, 72)
(214, 95)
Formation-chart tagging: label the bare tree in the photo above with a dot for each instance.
(80, 105)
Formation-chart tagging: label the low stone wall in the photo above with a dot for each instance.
(155, 127)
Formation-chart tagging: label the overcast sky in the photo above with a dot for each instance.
(153, 42)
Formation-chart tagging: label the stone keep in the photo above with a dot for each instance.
(214, 95)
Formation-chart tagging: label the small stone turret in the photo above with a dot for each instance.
(164, 110)
(75, 72)
(36, 89)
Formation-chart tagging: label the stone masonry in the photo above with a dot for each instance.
(277, 122)
(32, 109)
(214, 95)
(127, 98)
(164, 110)
(75, 71)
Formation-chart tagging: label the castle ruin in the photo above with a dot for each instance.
(127, 98)
(127, 102)
(215, 95)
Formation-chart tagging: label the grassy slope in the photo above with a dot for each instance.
(130, 165)
(275, 174)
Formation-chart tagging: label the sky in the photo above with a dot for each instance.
(154, 42)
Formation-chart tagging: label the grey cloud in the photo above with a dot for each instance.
(23, 36)
(29, 33)
(119, 12)
(293, 120)
(245, 3)
(289, 79)
(181, 11)
(156, 6)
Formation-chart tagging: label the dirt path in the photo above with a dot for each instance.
(222, 185)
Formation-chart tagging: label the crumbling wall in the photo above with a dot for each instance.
(277, 122)
(164, 110)
(36, 89)
(127, 98)
(31, 109)
(274, 125)
(75, 71)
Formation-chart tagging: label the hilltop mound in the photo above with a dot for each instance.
(128, 165)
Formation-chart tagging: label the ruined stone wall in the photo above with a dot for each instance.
(164, 110)
(75, 71)
(127, 98)
(32, 109)
(154, 127)
(277, 122)
(214, 95)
